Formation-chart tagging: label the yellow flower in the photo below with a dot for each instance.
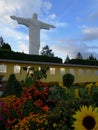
(77, 94)
(90, 85)
(86, 119)
(96, 84)
(89, 91)
(54, 125)
(61, 85)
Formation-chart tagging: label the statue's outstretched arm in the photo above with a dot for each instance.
(52, 26)
(20, 20)
(13, 17)
(46, 26)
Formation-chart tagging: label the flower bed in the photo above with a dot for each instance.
(51, 106)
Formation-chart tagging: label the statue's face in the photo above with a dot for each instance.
(35, 16)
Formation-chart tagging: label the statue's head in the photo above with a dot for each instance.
(35, 16)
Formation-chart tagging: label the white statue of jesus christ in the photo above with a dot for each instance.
(34, 26)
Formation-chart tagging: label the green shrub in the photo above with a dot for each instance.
(68, 80)
(13, 87)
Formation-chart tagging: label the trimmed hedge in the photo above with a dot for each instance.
(5, 54)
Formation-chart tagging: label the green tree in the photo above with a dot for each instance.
(46, 51)
(3, 45)
(6, 46)
(91, 57)
(79, 56)
(1, 41)
(67, 59)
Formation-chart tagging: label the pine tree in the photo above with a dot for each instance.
(67, 59)
(1, 41)
(79, 56)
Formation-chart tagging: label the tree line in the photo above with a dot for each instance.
(91, 60)
(47, 52)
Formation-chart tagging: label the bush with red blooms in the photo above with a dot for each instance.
(33, 99)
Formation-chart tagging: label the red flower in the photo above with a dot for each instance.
(42, 84)
(45, 108)
(38, 103)
(17, 105)
(19, 112)
(22, 100)
(36, 93)
(27, 96)
(31, 89)
(6, 109)
(11, 120)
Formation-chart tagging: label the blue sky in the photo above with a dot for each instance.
(76, 24)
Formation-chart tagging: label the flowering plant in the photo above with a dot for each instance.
(49, 106)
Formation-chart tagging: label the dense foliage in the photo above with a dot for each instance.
(6, 47)
(13, 87)
(49, 106)
(4, 54)
(34, 73)
(68, 80)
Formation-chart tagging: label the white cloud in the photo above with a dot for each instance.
(90, 33)
(47, 6)
(10, 7)
(72, 47)
(51, 17)
(93, 16)
(61, 24)
(23, 48)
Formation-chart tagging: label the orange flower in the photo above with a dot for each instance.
(45, 108)
(17, 105)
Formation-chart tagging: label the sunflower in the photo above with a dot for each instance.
(86, 118)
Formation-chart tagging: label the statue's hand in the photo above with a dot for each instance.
(13, 17)
(52, 26)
